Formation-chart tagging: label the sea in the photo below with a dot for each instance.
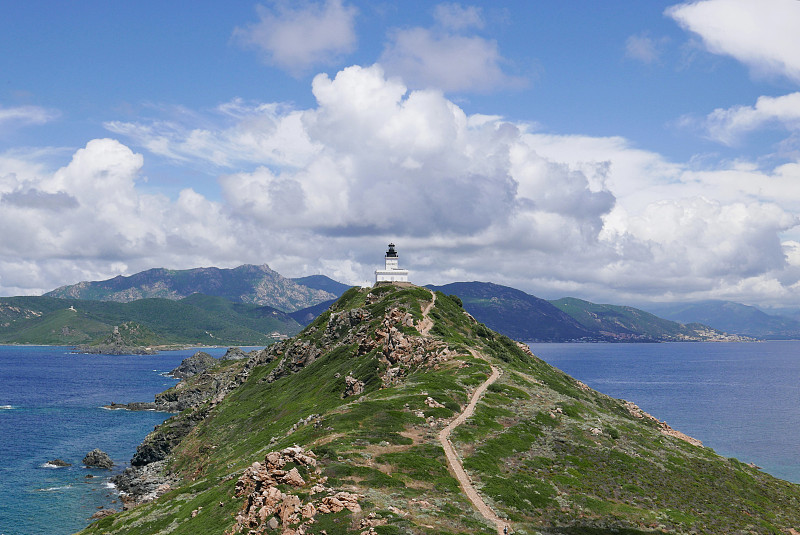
(51, 407)
(741, 399)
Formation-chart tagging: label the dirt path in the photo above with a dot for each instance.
(426, 323)
(455, 463)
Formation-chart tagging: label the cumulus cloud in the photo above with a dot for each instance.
(762, 35)
(296, 37)
(728, 125)
(446, 57)
(465, 197)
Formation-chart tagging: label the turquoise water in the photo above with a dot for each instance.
(51, 407)
(742, 400)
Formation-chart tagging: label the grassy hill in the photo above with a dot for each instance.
(515, 313)
(632, 324)
(247, 284)
(197, 319)
(734, 318)
(344, 422)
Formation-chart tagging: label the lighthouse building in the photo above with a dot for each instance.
(392, 271)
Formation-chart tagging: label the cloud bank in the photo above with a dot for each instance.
(465, 197)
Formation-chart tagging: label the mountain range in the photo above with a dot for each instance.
(258, 285)
(232, 306)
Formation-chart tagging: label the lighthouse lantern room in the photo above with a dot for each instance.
(392, 271)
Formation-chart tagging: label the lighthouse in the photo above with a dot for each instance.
(392, 271)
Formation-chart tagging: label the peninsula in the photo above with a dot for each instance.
(361, 424)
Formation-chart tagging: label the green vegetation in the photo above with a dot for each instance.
(198, 319)
(248, 284)
(547, 453)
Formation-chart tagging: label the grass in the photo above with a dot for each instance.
(529, 447)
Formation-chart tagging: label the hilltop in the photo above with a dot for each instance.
(353, 427)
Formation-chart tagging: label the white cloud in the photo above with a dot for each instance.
(644, 48)
(445, 57)
(762, 35)
(25, 115)
(456, 17)
(468, 197)
(296, 37)
(728, 125)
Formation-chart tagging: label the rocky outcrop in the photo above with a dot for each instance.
(194, 365)
(664, 427)
(143, 484)
(268, 508)
(126, 339)
(235, 353)
(59, 463)
(98, 459)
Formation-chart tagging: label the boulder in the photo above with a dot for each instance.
(98, 459)
(194, 365)
(59, 463)
(234, 353)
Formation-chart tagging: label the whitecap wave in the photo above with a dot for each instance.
(52, 489)
(49, 465)
(6, 407)
(109, 485)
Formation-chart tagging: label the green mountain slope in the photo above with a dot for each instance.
(247, 284)
(516, 313)
(321, 282)
(339, 431)
(627, 323)
(732, 317)
(197, 319)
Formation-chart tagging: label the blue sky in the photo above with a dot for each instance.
(617, 151)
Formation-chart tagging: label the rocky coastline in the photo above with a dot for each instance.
(205, 381)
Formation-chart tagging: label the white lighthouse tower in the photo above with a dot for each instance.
(392, 272)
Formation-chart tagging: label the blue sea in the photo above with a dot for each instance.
(741, 399)
(51, 407)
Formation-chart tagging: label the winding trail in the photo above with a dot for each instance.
(455, 463)
(426, 323)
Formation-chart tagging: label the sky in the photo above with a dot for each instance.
(622, 152)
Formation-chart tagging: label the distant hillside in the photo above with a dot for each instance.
(321, 282)
(197, 319)
(247, 284)
(307, 315)
(731, 317)
(626, 323)
(515, 313)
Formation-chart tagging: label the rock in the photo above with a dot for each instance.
(59, 463)
(194, 365)
(98, 459)
(293, 478)
(102, 513)
(234, 353)
(352, 386)
(432, 403)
